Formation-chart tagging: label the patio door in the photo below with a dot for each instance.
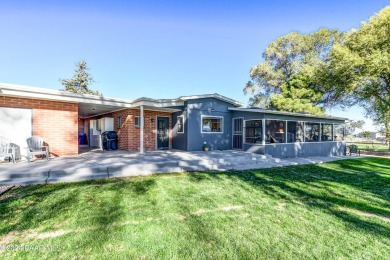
(237, 133)
(162, 132)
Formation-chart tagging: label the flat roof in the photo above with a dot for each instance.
(266, 111)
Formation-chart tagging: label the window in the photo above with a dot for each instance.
(327, 134)
(294, 132)
(253, 132)
(312, 132)
(119, 121)
(180, 124)
(275, 131)
(339, 132)
(211, 124)
(137, 121)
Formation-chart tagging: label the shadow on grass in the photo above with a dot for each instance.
(97, 203)
(100, 203)
(309, 184)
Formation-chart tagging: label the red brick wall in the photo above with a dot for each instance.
(56, 122)
(129, 134)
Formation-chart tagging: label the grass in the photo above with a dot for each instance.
(371, 146)
(327, 211)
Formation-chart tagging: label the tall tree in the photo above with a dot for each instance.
(290, 77)
(361, 65)
(81, 81)
(353, 125)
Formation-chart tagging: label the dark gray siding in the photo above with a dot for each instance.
(211, 107)
(179, 140)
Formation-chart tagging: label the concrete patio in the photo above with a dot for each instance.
(98, 164)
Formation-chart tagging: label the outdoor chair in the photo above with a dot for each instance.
(6, 150)
(353, 149)
(36, 147)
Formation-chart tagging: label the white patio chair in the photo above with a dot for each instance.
(6, 150)
(36, 147)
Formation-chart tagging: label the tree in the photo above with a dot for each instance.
(353, 125)
(290, 78)
(81, 81)
(361, 65)
(366, 134)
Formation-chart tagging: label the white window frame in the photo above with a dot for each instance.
(244, 131)
(304, 131)
(218, 117)
(139, 121)
(177, 120)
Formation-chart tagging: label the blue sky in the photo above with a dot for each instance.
(159, 49)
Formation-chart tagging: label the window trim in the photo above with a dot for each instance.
(120, 123)
(177, 120)
(218, 117)
(322, 131)
(244, 131)
(319, 131)
(303, 132)
(344, 137)
(304, 122)
(285, 130)
(139, 118)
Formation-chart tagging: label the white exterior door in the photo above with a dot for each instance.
(16, 125)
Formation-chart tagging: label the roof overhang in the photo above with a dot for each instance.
(216, 96)
(57, 95)
(91, 105)
(91, 110)
(265, 111)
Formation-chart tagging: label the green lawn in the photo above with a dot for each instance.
(371, 146)
(326, 211)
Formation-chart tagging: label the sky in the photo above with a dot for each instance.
(160, 49)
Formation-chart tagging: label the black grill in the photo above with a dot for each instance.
(110, 140)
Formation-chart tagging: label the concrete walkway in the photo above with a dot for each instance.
(99, 164)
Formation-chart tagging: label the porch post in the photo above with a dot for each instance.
(141, 129)
(263, 131)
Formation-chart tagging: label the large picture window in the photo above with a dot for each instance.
(339, 132)
(276, 131)
(180, 124)
(312, 132)
(327, 134)
(212, 124)
(294, 132)
(253, 132)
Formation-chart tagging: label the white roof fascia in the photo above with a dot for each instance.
(285, 113)
(49, 94)
(57, 95)
(158, 104)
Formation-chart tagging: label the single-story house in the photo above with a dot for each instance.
(183, 123)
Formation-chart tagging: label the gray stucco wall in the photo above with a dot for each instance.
(306, 149)
(209, 107)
